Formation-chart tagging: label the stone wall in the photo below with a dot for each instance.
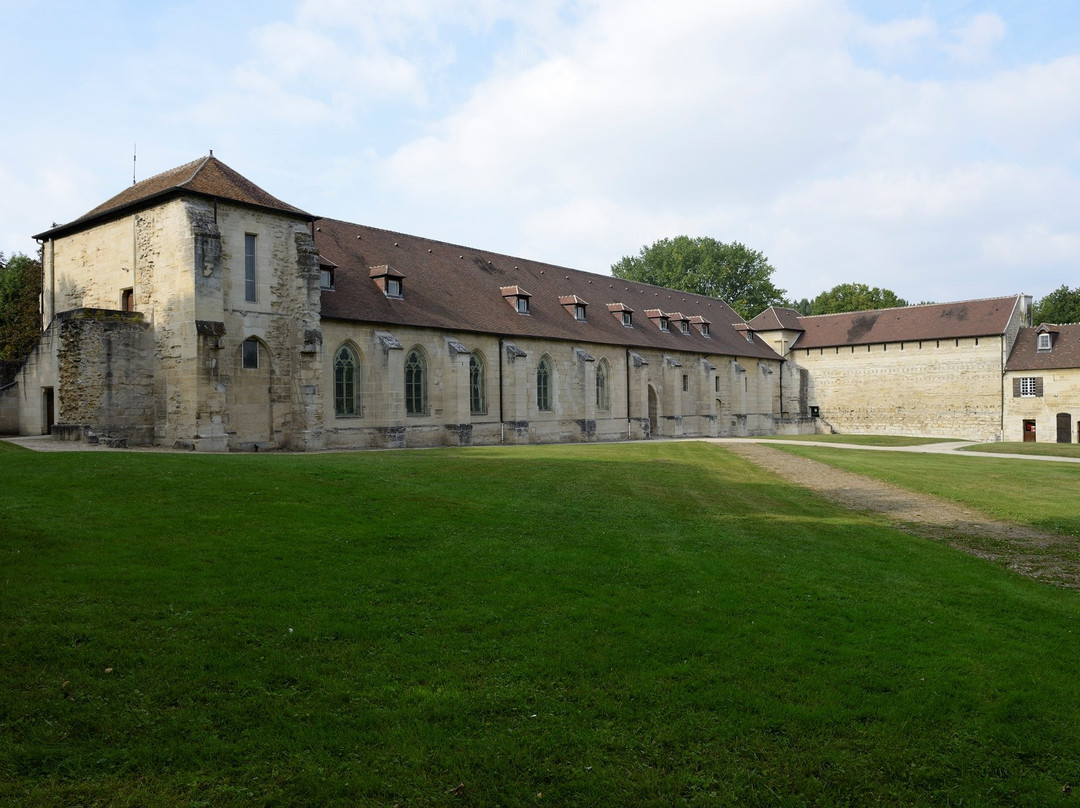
(722, 395)
(936, 388)
(105, 374)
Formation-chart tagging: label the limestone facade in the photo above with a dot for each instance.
(195, 310)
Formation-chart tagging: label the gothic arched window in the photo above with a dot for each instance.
(346, 382)
(415, 383)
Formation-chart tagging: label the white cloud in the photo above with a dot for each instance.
(976, 40)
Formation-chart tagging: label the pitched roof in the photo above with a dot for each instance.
(777, 318)
(206, 176)
(1064, 349)
(966, 318)
(460, 288)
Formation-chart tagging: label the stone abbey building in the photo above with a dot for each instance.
(196, 310)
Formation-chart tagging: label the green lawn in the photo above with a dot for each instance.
(635, 624)
(1047, 449)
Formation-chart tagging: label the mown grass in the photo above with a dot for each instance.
(646, 624)
(1035, 493)
(1016, 447)
(864, 440)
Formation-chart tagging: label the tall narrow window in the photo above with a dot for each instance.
(346, 382)
(477, 402)
(415, 383)
(249, 267)
(603, 395)
(543, 385)
(250, 354)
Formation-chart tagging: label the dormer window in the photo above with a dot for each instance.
(1044, 341)
(623, 313)
(662, 320)
(326, 273)
(574, 305)
(684, 326)
(389, 280)
(702, 325)
(704, 329)
(516, 297)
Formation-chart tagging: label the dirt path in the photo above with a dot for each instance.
(1046, 556)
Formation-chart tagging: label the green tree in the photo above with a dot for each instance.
(739, 276)
(1060, 306)
(20, 322)
(854, 297)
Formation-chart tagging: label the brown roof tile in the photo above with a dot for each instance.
(206, 176)
(1064, 349)
(462, 289)
(967, 318)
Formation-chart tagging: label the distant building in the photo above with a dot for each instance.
(933, 370)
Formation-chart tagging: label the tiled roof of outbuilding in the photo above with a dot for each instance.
(777, 318)
(206, 176)
(462, 289)
(967, 318)
(1064, 349)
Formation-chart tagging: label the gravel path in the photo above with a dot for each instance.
(1046, 556)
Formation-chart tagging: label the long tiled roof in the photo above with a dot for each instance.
(206, 176)
(967, 318)
(1064, 349)
(462, 289)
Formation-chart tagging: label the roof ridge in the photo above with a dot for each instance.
(201, 165)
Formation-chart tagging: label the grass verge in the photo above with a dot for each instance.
(1044, 449)
(863, 440)
(637, 624)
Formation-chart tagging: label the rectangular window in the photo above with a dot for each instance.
(579, 312)
(1044, 341)
(250, 354)
(249, 267)
(127, 300)
(663, 323)
(523, 305)
(685, 326)
(685, 383)
(326, 278)
(628, 319)
(1029, 387)
(393, 287)
(704, 329)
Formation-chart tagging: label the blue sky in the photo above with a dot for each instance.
(932, 148)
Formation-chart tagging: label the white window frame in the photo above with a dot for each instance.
(1028, 387)
(1044, 341)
